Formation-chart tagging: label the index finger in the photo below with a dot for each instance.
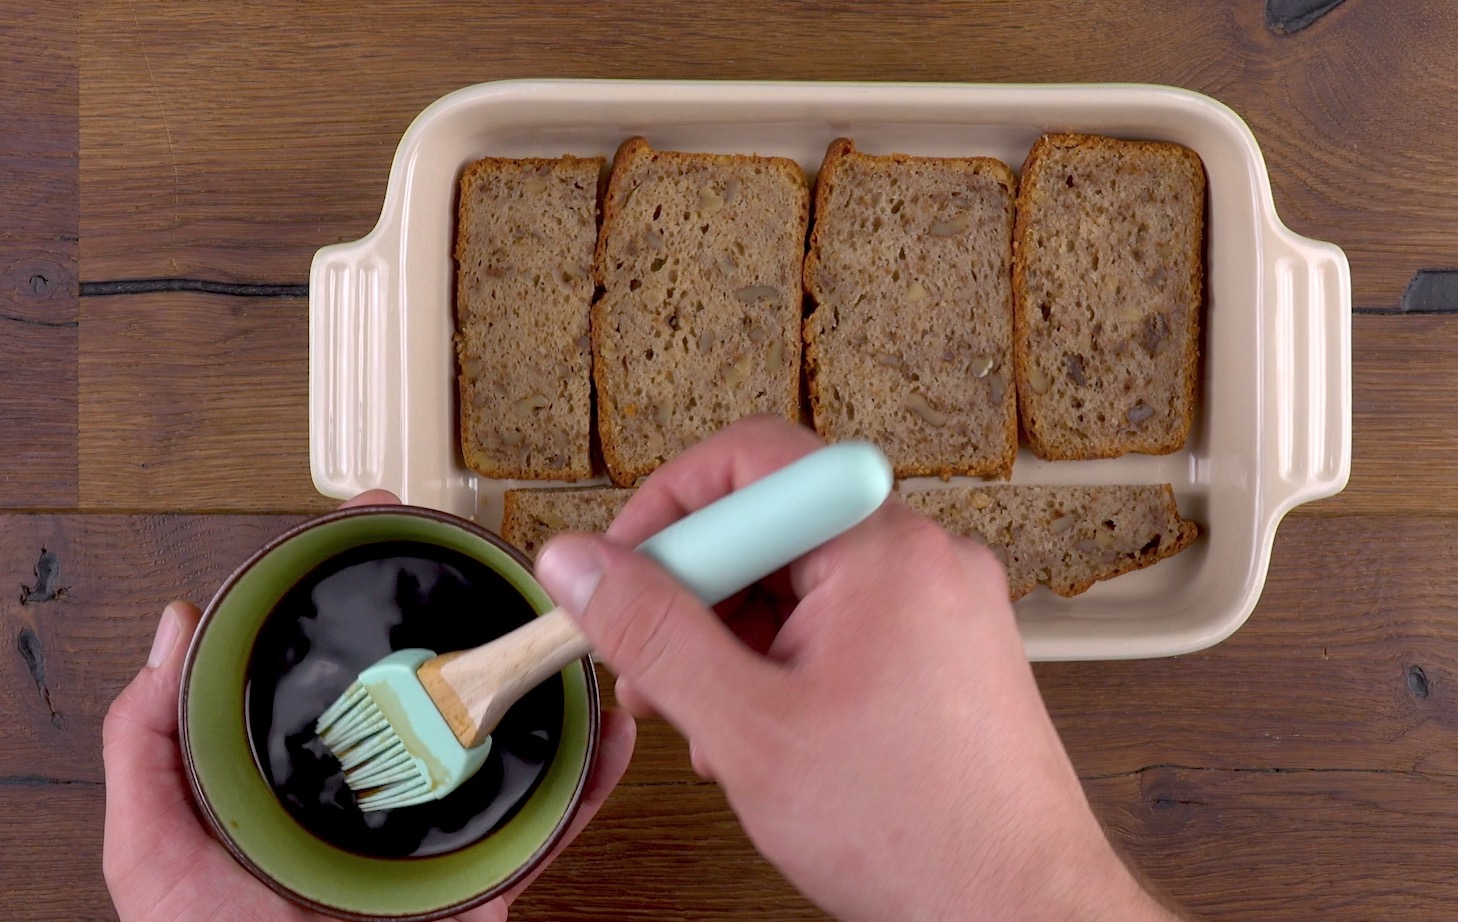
(732, 458)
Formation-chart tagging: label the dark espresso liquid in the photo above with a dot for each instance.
(346, 615)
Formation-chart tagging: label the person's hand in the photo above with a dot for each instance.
(869, 711)
(159, 860)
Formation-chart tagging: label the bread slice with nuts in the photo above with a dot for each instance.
(910, 342)
(524, 245)
(533, 516)
(1066, 538)
(1108, 282)
(698, 325)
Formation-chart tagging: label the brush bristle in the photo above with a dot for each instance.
(377, 766)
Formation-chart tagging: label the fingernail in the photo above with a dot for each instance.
(167, 631)
(569, 570)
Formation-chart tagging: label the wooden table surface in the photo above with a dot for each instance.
(167, 171)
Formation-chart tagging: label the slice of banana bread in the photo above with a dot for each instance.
(1108, 282)
(530, 517)
(699, 321)
(910, 344)
(524, 246)
(1067, 538)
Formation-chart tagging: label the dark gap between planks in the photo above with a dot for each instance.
(206, 286)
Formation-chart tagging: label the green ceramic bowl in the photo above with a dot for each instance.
(241, 808)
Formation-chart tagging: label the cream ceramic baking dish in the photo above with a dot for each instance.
(1274, 427)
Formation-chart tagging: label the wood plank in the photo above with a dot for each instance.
(183, 124)
(38, 56)
(686, 857)
(1227, 844)
(1290, 847)
(38, 348)
(39, 195)
(1404, 417)
(38, 308)
(196, 402)
(243, 171)
(50, 852)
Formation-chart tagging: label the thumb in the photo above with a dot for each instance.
(652, 631)
(148, 806)
(139, 735)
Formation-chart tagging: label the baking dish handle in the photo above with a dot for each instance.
(353, 319)
(1307, 320)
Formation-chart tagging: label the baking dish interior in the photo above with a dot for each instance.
(1181, 604)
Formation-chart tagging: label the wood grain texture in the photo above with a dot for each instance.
(1229, 845)
(196, 402)
(38, 346)
(1290, 846)
(233, 143)
(81, 628)
(657, 852)
(1404, 416)
(50, 852)
(38, 56)
(38, 306)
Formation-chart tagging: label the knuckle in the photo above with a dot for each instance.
(122, 724)
(112, 725)
(110, 872)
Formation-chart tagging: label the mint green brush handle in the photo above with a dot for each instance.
(752, 532)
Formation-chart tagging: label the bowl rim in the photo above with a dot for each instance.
(218, 828)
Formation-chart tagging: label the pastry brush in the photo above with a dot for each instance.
(416, 724)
